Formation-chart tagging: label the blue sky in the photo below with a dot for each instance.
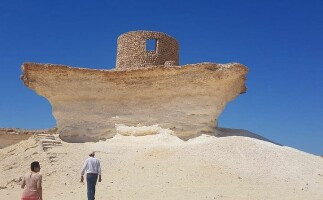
(280, 41)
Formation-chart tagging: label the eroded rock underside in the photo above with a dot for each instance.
(88, 103)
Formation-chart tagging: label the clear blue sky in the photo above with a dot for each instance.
(280, 41)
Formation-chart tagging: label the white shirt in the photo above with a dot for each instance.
(91, 165)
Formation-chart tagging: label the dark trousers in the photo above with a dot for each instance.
(91, 180)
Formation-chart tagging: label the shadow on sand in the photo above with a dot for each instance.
(227, 132)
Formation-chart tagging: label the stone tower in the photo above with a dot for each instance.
(140, 49)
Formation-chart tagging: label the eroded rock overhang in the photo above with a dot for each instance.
(88, 103)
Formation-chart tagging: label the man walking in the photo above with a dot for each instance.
(93, 170)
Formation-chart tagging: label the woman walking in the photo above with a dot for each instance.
(32, 184)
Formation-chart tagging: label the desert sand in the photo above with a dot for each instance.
(151, 163)
(10, 136)
(7, 140)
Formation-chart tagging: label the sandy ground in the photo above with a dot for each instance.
(161, 166)
(7, 139)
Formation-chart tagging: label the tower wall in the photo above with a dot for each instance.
(132, 50)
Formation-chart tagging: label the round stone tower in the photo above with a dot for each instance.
(140, 49)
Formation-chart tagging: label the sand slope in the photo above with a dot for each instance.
(162, 166)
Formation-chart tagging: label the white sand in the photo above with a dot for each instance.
(161, 166)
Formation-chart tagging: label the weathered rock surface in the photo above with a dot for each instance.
(88, 103)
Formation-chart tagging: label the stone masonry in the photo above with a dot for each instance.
(132, 52)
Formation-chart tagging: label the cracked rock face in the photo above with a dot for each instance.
(88, 103)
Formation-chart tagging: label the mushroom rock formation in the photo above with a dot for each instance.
(89, 103)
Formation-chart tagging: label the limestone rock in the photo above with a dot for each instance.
(88, 103)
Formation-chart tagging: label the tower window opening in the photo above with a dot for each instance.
(151, 44)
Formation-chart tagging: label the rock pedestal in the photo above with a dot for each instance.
(88, 103)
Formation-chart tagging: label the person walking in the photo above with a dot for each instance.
(92, 169)
(32, 183)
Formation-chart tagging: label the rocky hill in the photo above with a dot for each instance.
(161, 166)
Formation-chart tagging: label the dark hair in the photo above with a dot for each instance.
(92, 154)
(34, 165)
